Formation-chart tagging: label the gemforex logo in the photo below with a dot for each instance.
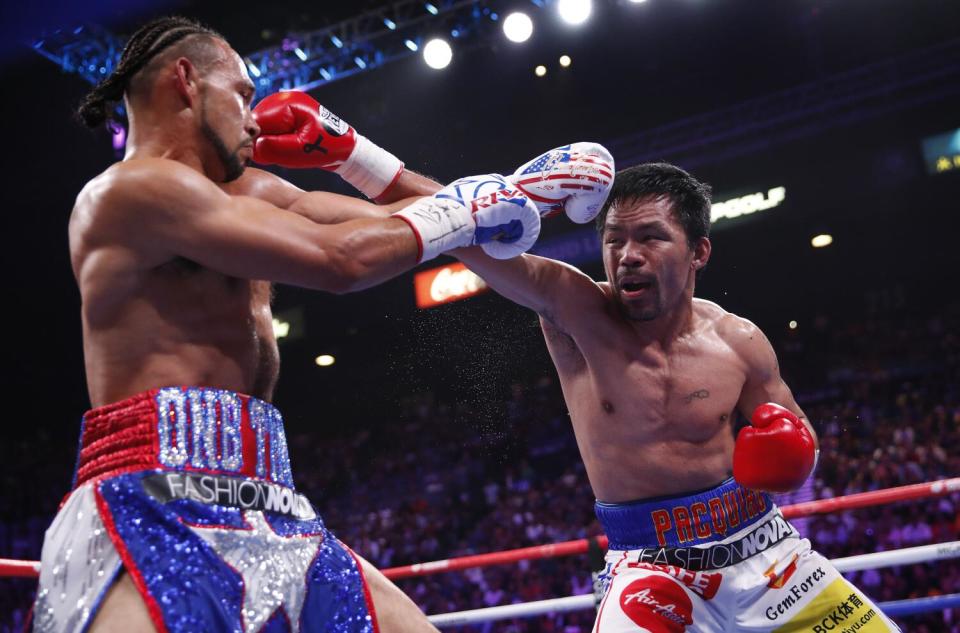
(795, 593)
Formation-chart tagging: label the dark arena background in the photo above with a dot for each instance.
(441, 432)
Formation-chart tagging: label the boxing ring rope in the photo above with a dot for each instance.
(906, 556)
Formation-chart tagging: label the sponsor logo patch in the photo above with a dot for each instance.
(838, 608)
(234, 492)
(657, 604)
(719, 555)
(795, 593)
(778, 581)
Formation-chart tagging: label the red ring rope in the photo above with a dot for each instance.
(31, 569)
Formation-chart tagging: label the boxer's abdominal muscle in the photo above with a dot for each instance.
(179, 324)
(650, 424)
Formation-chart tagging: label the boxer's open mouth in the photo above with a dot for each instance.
(634, 288)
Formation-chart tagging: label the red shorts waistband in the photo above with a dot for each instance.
(185, 428)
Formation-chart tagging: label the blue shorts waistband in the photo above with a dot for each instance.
(695, 518)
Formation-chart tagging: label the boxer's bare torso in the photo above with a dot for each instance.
(150, 322)
(651, 376)
(650, 420)
(151, 319)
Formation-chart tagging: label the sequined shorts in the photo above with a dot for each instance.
(189, 490)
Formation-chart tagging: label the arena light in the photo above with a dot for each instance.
(118, 136)
(792, 325)
(637, 1)
(299, 52)
(281, 329)
(819, 241)
(518, 27)
(540, 70)
(325, 360)
(411, 45)
(574, 11)
(437, 53)
(565, 61)
(431, 9)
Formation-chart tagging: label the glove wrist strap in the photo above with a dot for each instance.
(440, 225)
(370, 168)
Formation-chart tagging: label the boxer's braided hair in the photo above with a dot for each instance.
(149, 40)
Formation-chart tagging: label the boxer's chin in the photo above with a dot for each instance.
(231, 162)
(233, 168)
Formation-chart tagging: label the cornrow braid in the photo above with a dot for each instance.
(149, 40)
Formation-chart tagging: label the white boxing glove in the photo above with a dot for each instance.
(484, 210)
(574, 178)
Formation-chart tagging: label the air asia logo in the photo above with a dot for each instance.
(777, 582)
(658, 604)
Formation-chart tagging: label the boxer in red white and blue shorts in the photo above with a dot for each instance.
(654, 380)
(189, 491)
(184, 516)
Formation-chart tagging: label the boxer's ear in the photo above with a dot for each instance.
(187, 80)
(701, 253)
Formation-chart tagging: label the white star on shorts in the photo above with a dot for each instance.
(273, 567)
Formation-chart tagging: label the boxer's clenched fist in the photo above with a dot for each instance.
(296, 131)
(575, 178)
(776, 453)
(484, 210)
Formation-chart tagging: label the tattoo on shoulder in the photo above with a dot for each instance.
(700, 394)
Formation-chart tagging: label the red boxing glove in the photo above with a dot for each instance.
(296, 131)
(776, 454)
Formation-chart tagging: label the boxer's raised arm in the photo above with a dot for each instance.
(556, 291)
(298, 132)
(163, 209)
(409, 185)
(159, 209)
(575, 178)
(318, 206)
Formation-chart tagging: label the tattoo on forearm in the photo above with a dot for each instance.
(700, 394)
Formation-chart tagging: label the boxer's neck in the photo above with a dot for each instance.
(670, 326)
